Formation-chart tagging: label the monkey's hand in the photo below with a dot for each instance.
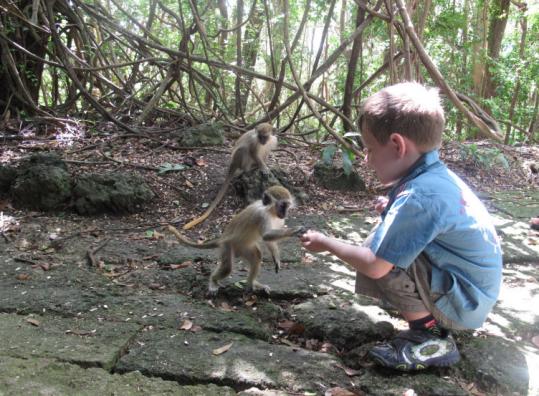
(299, 231)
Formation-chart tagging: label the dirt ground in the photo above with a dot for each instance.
(182, 195)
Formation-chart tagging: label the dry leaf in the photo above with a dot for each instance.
(23, 277)
(297, 329)
(34, 322)
(182, 265)
(156, 286)
(189, 184)
(196, 329)
(225, 307)
(201, 162)
(45, 266)
(285, 324)
(339, 392)
(222, 349)
(186, 325)
(349, 371)
(251, 301)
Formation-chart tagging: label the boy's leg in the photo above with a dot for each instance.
(427, 343)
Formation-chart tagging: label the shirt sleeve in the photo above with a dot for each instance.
(406, 230)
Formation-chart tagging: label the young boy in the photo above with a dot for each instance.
(435, 256)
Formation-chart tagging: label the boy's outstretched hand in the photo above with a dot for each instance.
(314, 241)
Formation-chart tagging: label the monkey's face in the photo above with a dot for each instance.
(281, 207)
(263, 138)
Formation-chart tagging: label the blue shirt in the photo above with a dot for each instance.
(432, 210)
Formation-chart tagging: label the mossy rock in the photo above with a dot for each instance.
(334, 178)
(203, 135)
(8, 174)
(110, 193)
(42, 183)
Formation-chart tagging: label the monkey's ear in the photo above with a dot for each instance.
(266, 199)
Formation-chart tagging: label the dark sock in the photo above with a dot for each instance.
(428, 323)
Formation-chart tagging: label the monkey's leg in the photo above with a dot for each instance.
(223, 269)
(275, 255)
(254, 257)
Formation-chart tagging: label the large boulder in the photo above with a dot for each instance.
(8, 174)
(251, 185)
(334, 178)
(202, 135)
(42, 183)
(112, 192)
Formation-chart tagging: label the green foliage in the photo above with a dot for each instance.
(347, 156)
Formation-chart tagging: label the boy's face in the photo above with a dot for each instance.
(385, 159)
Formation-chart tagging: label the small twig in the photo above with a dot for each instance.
(91, 253)
(25, 260)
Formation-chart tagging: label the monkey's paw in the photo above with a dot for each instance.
(213, 289)
(299, 231)
(259, 287)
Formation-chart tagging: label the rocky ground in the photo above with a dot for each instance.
(113, 305)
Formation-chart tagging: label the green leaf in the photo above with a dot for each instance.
(347, 157)
(167, 167)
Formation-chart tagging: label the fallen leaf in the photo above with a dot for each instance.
(297, 329)
(186, 325)
(339, 392)
(34, 322)
(349, 371)
(222, 349)
(251, 301)
(182, 265)
(189, 184)
(45, 266)
(201, 162)
(23, 277)
(285, 324)
(156, 286)
(225, 307)
(196, 329)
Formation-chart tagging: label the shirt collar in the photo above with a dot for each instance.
(423, 163)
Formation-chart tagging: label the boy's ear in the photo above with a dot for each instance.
(399, 143)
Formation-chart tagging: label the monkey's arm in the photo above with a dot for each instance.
(258, 160)
(281, 233)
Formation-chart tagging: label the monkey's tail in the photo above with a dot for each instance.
(211, 244)
(213, 205)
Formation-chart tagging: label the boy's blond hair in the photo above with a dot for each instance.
(409, 109)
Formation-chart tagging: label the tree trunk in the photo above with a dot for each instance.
(479, 46)
(251, 48)
(498, 21)
(352, 66)
(239, 60)
(21, 75)
(516, 91)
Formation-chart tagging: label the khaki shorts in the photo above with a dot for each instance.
(406, 290)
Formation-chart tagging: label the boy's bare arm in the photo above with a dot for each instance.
(359, 257)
